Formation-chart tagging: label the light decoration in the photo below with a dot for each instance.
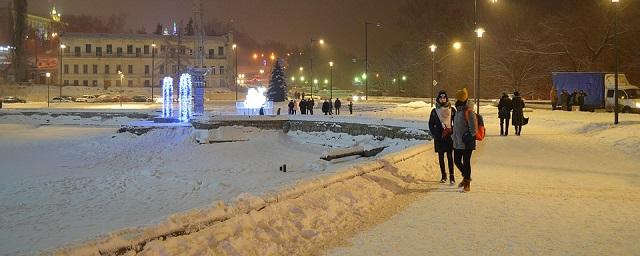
(186, 101)
(167, 97)
(255, 98)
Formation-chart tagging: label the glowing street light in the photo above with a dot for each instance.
(62, 47)
(616, 4)
(433, 48)
(235, 74)
(457, 45)
(255, 56)
(293, 79)
(331, 77)
(301, 68)
(480, 32)
(404, 78)
(48, 75)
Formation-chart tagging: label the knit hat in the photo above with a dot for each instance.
(442, 93)
(462, 95)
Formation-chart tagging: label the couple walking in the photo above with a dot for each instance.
(454, 131)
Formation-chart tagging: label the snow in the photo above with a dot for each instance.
(569, 185)
(415, 104)
(83, 181)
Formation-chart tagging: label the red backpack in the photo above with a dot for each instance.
(480, 130)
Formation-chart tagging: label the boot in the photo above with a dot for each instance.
(452, 180)
(467, 186)
(443, 180)
(463, 183)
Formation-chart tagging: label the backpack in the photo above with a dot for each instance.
(480, 130)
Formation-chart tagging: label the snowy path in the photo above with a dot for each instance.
(548, 192)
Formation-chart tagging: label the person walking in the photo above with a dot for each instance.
(303, 107)
(581, 96)
(350, 107)
(310, 105)
(553, 96)
(325, 107)
(504, 113)
(518, 112)
(330, 106)
(441, 126)
(291, 106)
(463, 136)
(572, 100)
(338, 104)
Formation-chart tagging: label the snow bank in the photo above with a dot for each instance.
(415, 104)
(290, 221)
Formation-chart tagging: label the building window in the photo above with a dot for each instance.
(67, 50)
(220, 51)
(129, 49)
(95, 68)
(94, 83)
(109, 49)
(75, 83)
(66, 68)
(212, 53)
(99, 51)
(106, 69)
(85, 82)
(66, 82)
(147, 83)
(76, 51)
(222, 70)
(87, 48)
(146, 69)
(119, 51)
(118, 68)
(138, 52)
(75, 69)
(146, 50)
(85, 69)
(130, 69)
(213, 70)
(118, 82)
(107, 83)
(162, 69)
(130, 83)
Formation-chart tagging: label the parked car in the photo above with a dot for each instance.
(121, 98)
(59, 100)
(86, 98)
(12, 99)
(139, 98)
(70, 98)
(105, 98)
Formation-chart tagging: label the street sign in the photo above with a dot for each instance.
(435, 82)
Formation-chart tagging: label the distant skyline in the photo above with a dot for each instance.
(340, 23)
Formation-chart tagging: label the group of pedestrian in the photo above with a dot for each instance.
(305, 106)
(511, 109)
(567, 101)
(329, 107)
(454, 132)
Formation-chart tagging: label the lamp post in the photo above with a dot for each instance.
(331, 79)
(235, 60)
(48, 75)
(433, 48)
(121, 78)
(320, 41)
(153, 69)
(479, 33)
(616, 4)
(62, 47)
(366, 57)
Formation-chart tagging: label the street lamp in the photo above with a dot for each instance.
(235, 74)
(366, 56)
(153, 68)
(433, 48)
(48, 75)
(121, 78)
(62, 47)
(320, 41)
(479, 34)
(457, 45)
(616, 4)
(331, 79)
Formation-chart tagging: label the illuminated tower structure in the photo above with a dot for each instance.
(198, 71)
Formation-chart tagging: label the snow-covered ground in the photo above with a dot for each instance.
(568, 186)
(78, 182)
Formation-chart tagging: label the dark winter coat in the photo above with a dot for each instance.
(564, 99)
(462, 126)
(303, 105)
(326, 107)
(310, 104)
(337, 104)
(518, 111)
(504, 107)
(435, 127)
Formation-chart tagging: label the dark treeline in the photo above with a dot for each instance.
(525, 41)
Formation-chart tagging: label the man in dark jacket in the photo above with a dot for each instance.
(504, 113)
(330, 106)
(581, 96)
(303, 107)
(573, 99)
(325, 107)
(564, 100)
(350, 107)
(310, 105)
(291, 106)
(338, 104)
(518, 112)
(440, 127)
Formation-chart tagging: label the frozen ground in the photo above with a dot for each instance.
(63, 184)
(568, 186)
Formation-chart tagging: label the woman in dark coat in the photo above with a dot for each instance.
(518, 112)
(441, 118)
(504, 113)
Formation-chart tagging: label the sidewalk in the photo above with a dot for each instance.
(546, 193)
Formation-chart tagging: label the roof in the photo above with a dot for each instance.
(128, 36)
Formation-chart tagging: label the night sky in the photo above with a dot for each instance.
(339, 22)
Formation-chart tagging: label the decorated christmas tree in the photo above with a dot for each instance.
(278, 83)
